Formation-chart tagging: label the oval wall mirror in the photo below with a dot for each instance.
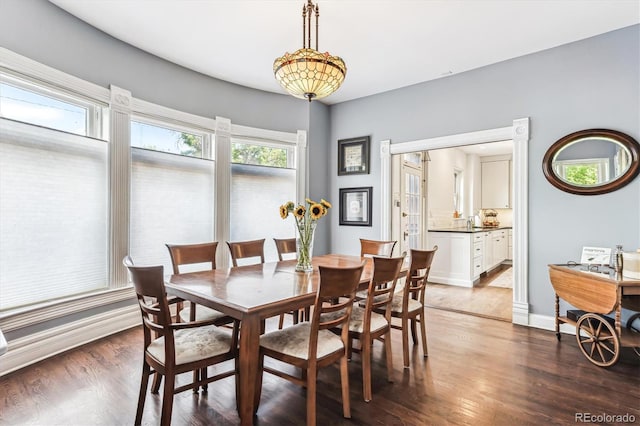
(590, 162)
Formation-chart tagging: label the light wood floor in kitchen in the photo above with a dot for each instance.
(481, 300)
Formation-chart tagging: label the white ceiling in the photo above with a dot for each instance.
(386, 44)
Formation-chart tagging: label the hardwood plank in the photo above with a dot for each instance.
(479, 371)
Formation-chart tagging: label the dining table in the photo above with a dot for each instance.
(251, 294)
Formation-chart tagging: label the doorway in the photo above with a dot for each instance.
(518, 131)
(437, 199)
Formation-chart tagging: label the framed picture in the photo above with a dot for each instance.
(353, 156)
(355, 206)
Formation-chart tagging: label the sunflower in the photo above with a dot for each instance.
(316, 211)
(300, 211)
(310, 201)
(325, 203)
(290, 206)
(284, 212)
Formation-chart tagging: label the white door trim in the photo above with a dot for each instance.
(519, 133)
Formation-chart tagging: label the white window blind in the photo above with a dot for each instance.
(172, 201)
(53, 214)
(257, 192)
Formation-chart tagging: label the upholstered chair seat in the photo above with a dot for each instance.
(356, 323)
(294, 341)
(194, 344)
(412, 304)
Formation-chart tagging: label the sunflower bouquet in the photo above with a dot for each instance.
(305, 218)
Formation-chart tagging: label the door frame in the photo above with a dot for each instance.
(519, 133)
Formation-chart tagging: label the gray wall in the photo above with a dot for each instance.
(319, 168)
(593, 83)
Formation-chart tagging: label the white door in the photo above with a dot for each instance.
(411, 203)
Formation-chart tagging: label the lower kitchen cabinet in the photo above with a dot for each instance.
(463, 256)
(458, 260)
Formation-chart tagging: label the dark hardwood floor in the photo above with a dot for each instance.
(479, 372)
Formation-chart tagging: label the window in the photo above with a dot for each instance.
(23, 101)
(172, 190)
(54, 192)
(263, 177)
(585, 172)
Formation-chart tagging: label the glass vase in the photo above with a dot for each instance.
(304, 246)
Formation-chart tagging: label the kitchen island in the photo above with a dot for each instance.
(465, 253)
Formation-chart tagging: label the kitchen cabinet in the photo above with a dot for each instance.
(459, 259)
(495, 187)
(496, 246)
(463, 255)
(510, 245)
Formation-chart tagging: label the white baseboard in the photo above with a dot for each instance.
(38, 346)
(546, 322)
(520, 313)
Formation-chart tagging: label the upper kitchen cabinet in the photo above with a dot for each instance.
(496, 184)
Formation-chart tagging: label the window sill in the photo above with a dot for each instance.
(28, 316)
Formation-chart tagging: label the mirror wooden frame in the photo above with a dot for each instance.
(623, 139)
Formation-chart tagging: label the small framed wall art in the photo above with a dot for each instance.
(355, 206)
(353, 156)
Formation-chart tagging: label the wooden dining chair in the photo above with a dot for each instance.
(173, 348)
(408, 305)
(311, 345)
(246, 249)
(376, 248)
(285, 246)
(371, 318)
(189, 254)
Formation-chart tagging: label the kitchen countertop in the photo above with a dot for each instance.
(469, 230)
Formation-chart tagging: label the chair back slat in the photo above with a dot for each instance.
(285, 246)
(376, 248)
(245, 249)
(187, 254)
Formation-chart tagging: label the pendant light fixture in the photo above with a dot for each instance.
(307, 73)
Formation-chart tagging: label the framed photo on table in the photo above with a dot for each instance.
(353, 156)
(355, 206)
